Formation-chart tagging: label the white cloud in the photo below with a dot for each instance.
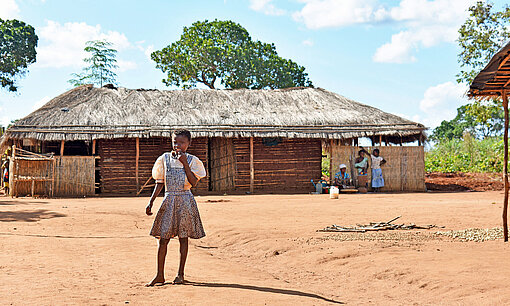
(126, 65)
(422, 23)
(266, 7)
(8, 9)
(149, 51)
(399, 50)
(317, 14)
(440, 102)
(4, 121)
(307, 42)
(61, 45)
(40, 102)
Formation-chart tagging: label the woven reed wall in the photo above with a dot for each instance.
(73, 176)
(30, 168)
(404, 170)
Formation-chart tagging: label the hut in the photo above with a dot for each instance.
(249, 140)
(493, 82)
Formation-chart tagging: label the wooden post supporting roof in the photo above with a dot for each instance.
(252, 167)
(492, 82)
(331, 170)
(62, 142)
(137, 162)
(12, 172)
(93, 147)
(505, 167)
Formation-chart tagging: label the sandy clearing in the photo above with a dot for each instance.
(260, 249)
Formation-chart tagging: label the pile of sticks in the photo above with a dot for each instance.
(372, 226)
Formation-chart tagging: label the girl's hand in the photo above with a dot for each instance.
(183, 159)
(148, 209)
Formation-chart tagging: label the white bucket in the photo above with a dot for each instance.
(333, 192)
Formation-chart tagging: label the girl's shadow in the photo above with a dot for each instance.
(262, 289)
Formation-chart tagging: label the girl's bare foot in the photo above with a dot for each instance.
(157, 280)
(179, 279)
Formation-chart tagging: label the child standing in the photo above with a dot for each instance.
(178, 215)
(377, 162)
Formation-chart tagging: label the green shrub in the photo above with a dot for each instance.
(466, 155)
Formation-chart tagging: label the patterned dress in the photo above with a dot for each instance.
(178, 214)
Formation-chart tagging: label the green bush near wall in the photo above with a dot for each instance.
(466, 155)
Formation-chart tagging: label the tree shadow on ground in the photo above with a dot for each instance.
(263, 289)
(28, 215)
(17, 202)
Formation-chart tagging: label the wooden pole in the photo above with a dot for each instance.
(93, 147)
(137, 160)
(505, 168)
(331, 174)
(380, 140)
(62, 142)
(252, 168)
(12, 169)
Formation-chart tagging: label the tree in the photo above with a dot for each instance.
(100, 65)
(17, 50)
(479, 120)
(480, 37)
(483, 33)
(455, 128)
(489, 117)
(224, 51)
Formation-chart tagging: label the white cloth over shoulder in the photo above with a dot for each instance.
(376, 162)
(196, 166)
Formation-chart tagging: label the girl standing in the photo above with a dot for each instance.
(178, 214)
(377, 162)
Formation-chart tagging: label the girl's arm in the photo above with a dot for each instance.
(192, 179)
(155, 193)
(363, 149)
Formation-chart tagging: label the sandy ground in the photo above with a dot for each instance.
(260, 249)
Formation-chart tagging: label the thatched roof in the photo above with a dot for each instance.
(494, 77)
(86, 113)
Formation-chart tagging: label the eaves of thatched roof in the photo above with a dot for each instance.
(494, 78)
(86, 113)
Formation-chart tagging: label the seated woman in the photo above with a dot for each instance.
(342, 178)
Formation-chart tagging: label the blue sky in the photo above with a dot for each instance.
(399, 55)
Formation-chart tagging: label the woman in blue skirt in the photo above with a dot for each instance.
(377, 162)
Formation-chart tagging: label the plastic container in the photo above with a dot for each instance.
(333, 192)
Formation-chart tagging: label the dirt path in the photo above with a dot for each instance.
(259, 250)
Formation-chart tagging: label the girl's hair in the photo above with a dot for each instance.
(376, 150)
(184, 133)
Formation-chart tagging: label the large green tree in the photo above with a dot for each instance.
(100, 65)
(211, 51)
(17, 50)
(480, 123)
(482, 35)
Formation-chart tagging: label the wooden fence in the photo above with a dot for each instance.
(59, 176)
(404, 170)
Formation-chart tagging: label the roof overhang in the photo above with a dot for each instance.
(494, 78)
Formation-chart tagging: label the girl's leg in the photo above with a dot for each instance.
(160, 276)
(183, 249)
